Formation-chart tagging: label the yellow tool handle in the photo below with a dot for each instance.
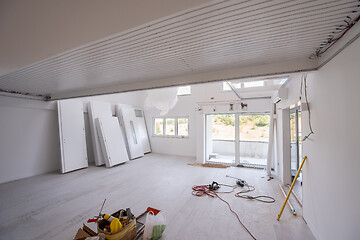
(291, 188)
(292, 209)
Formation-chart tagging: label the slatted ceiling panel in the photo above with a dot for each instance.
(109, 58)
(212, 37)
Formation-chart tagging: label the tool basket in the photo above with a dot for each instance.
(127, 232)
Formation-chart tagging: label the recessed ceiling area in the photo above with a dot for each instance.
(209, 41)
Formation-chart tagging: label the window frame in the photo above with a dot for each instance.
(229, 90)
(176, 135)
(266, 82)
(154, 128)
(186, 94)
(175, 126)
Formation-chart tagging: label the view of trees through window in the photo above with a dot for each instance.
(175, 126)
(251, 127)
(170, 126)
(183, 126)
(293, 127)
(159, 126)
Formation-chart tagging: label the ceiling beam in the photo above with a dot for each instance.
(285, 67)
(340, 45)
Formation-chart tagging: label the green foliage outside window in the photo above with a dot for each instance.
(226, 119)
(229, 119)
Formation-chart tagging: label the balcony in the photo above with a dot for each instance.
(252, 153)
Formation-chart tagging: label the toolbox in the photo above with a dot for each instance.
(127, 232)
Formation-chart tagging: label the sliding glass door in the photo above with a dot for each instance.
(237, 139)
(220, 138)
(254, 139)
(295, 138)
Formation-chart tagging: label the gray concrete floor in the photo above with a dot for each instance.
(54, 205)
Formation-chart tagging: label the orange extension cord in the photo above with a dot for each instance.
(203, 190)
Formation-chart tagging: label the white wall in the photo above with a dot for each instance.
(331, 174)
(332, 210)
(185, 107)
(282, 145)
(29, 138)
(194, 145)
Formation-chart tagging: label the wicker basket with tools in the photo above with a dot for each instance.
(120, 225)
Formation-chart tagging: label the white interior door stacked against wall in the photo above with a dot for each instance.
(115, 140)
(72, 135)
(97, 109)
(143, 134)
(111, 141)
(130, 125)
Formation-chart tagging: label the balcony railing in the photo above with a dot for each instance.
(251, 152)
(248, 149)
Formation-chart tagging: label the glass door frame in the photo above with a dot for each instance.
(237, 131)
(238, 144)
(296, 110)
(206, 135)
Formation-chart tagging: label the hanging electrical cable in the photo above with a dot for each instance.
(336, 35)
(304, 86)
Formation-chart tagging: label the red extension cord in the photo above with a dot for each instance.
(203, 190)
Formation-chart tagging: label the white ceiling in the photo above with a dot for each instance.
(228, 38)
(34, 30)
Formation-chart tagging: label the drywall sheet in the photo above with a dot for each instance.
(128, 122)
(72, 135)
(111, 141)
(96, 110)
(143, 134)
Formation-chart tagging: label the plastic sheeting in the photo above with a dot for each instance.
(162, 99)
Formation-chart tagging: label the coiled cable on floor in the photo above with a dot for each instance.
(262, 198)
(204, 190)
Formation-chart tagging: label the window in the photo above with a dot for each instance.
(253, 84)
(227, 88)
(171, 127)
(183, 126)
(159, 126)
(185, 90)
(250, 84)
(280, 81)
(223, 126)
(138, 113)
(133, 131)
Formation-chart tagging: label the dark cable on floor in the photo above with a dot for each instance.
(243, 183)
(204, 190)
(262, 198)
